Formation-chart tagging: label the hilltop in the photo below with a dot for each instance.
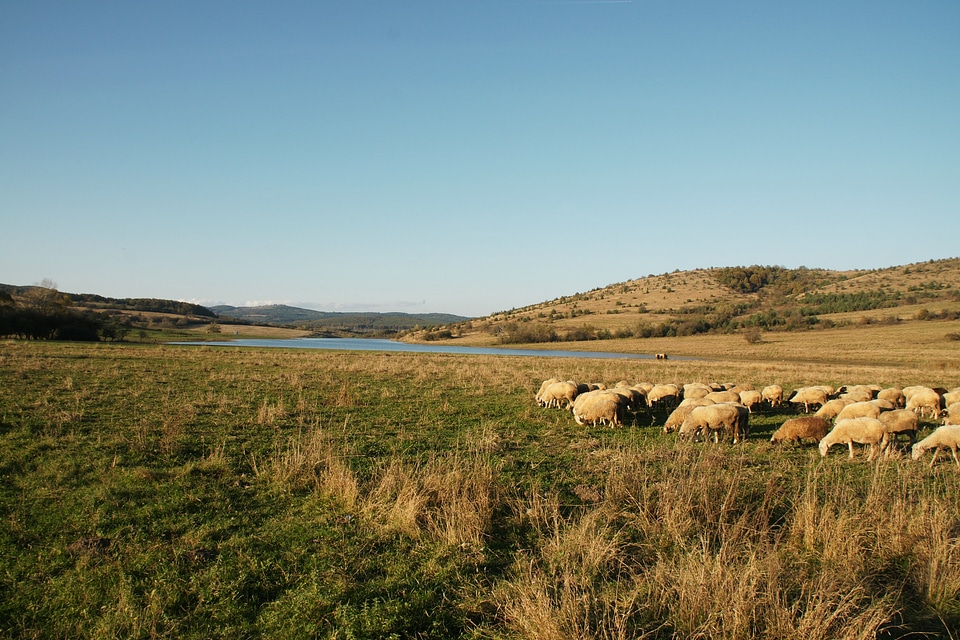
(724, 300)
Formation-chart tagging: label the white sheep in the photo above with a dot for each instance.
(798, 428)
(750, 398)
(945, 437)
(923, 400)
(723, 396)
(716, 418)
(599, 407)
(773, 395)
(899, 421)
(893, 394)
(663, 394)
(695, 390)
(808, 396)
(952, 414)
(543, 387)
(858, 393)
(678, 415)
(951, 397)
(560, 393)
(864, 409)
(867, 431)
(833, 407)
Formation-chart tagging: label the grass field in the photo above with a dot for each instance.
(204, 492)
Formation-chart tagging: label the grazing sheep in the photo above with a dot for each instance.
(772, 395)
(695, 390)
(715, 418)
(678, 415)
(833, 407)
(899, 421)
(750, 398)
(559, 393)
(599, 407)
(543, 387)
(742, 386)
(808, 396)
(644, 386)
(863, 409)
(951, 397)
(893, 394)
(945, 437)
(827, 389)
(858, 393)
(668, 394)
(868, 431)
(952, 414)
(924, 400)
(632, 397)
(798, 428)
(883, 404)
(723, 396)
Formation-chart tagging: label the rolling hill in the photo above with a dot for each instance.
(325, 321)
(724, 300)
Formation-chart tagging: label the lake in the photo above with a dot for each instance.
(364, 344)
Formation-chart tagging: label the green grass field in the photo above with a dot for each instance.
(202, 492)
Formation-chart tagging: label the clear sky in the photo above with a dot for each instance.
(468, 156)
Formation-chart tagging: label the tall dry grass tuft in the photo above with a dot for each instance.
(568, 587)
(691, 544)
(311, 460)
(448, 498)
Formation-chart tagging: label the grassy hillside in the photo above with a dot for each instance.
(723, 301)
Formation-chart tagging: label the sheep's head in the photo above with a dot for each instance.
(916, 451)
(824, 445)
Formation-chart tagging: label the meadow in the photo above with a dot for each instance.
(203, 492)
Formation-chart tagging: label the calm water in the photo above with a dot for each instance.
(364, 344)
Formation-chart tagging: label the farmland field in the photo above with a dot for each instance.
(198, 492)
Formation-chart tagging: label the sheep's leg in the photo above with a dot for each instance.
(936, 452)
(850, 444)
(955, 459)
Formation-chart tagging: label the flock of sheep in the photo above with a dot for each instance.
(868, 415)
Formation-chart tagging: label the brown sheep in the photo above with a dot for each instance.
(799, 428)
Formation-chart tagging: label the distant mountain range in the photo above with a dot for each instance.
(279, 314)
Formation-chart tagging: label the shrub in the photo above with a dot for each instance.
(752, 335)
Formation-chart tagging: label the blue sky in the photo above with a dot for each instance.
(468, 156)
